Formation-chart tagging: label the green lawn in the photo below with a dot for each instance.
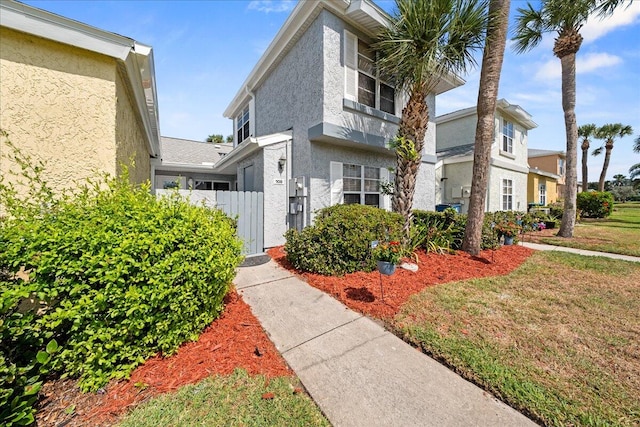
(557, 339)
(235, 400)
(619, 233)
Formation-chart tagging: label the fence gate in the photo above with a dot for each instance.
(248, 208)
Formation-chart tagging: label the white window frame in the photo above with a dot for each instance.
(506, 194)
(542, 194)
(561, 167)
(352, 62)
(243, 124)
(338, 192)
(508, 135)
(212, 182)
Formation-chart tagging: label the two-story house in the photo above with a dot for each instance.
(550, 162)
(508, 169)
(313, 120)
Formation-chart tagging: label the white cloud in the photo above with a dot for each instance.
(623, 16)
(268, 6)
(584, 64)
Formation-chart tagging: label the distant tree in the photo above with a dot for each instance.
(623, 193)
(609, 133)
(636, 144)
(586, 132)
(619, 180)
(229, 138)
(566, 19)
(215, 139)
(634, 173)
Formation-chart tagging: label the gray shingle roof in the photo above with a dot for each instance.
(534, 152)
(459, 150)
(189, 152)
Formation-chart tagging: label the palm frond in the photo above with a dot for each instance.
(597, 151)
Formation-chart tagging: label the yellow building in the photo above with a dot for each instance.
(550, 161)
(542, 187)
(81, 99)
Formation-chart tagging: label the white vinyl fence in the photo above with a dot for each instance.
(247, 207)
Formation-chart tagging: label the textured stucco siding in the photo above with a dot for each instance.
(275, 196)
(58, 104)
(130, 141)
(323, 154)
(458, 175)
(533, 192)
(456, 132)
(520, 142)
(519, 189)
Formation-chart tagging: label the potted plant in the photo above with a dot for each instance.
(508, 229)
(387, 255)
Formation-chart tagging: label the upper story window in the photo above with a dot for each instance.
(507, 136)
(561, 167)
(363, 82)
(242, 125)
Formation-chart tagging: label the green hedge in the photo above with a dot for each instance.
(339, 240)
(595, 204)
(116, 274)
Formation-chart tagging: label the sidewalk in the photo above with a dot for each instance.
(541, 247)
(358, 373)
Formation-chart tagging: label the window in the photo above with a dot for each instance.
(507, 195)
(211, 185)
(242, 125)
(561, 167)
(361, 185)
(507, 136)
(363, 81)
(542, 194)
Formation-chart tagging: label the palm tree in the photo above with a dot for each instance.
(215, 139)
(565, 18)
(609, 133)
(636, 144)
(619, 180)
(586, 132)
(492, 59)
(425, 41)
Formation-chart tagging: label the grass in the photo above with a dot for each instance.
(557, 339)
(618, 234)
(235, 400)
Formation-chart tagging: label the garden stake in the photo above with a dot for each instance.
(381, 288)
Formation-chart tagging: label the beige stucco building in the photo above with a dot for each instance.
(80, 99)
(550, 161)
(542, 187)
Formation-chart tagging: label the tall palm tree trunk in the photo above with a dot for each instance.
(605, 165)
(413, 127)
(568, 64)
(585, 167)
(487, 94)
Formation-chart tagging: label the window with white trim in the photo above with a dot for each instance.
(242, 125)
(542, 194)
(507, 136)
(212, 185)
(363, 82)
(561, 167)
(351, 184)
(507, 195)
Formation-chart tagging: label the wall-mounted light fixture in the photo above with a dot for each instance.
(281, 162)
(190, 183)
(443, 178)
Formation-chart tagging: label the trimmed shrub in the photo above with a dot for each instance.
(556, 209)
(116, 275)
(595, 204)
(339, 241)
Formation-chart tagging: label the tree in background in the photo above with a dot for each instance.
(586, 132)
(492, 59)
(565, 18)
(425, 41)
(634, 171)
(609, 133)
(215, 139)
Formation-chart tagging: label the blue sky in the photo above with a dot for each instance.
(205, 49)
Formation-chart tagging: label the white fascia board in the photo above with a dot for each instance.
(517, 112)
(250, 146)
(455, 115)
(30, 20)
(274, 138)
(540, 172)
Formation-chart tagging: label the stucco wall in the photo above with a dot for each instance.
(275, 196)
(130, 140)
(456, 132)
(58, 104)
(533, 193)
(495, 189)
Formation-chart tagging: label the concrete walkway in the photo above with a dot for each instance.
(358, 373)
(541, 247)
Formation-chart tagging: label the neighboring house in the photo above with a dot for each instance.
(79, 98)
(187, 164)
(542, 187)
(313, 120)
(550, 161)
(508, 170)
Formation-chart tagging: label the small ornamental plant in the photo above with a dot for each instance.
(507, 229)
(388, 252)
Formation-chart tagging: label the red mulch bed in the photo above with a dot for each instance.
(361, 291)
(235, 340)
